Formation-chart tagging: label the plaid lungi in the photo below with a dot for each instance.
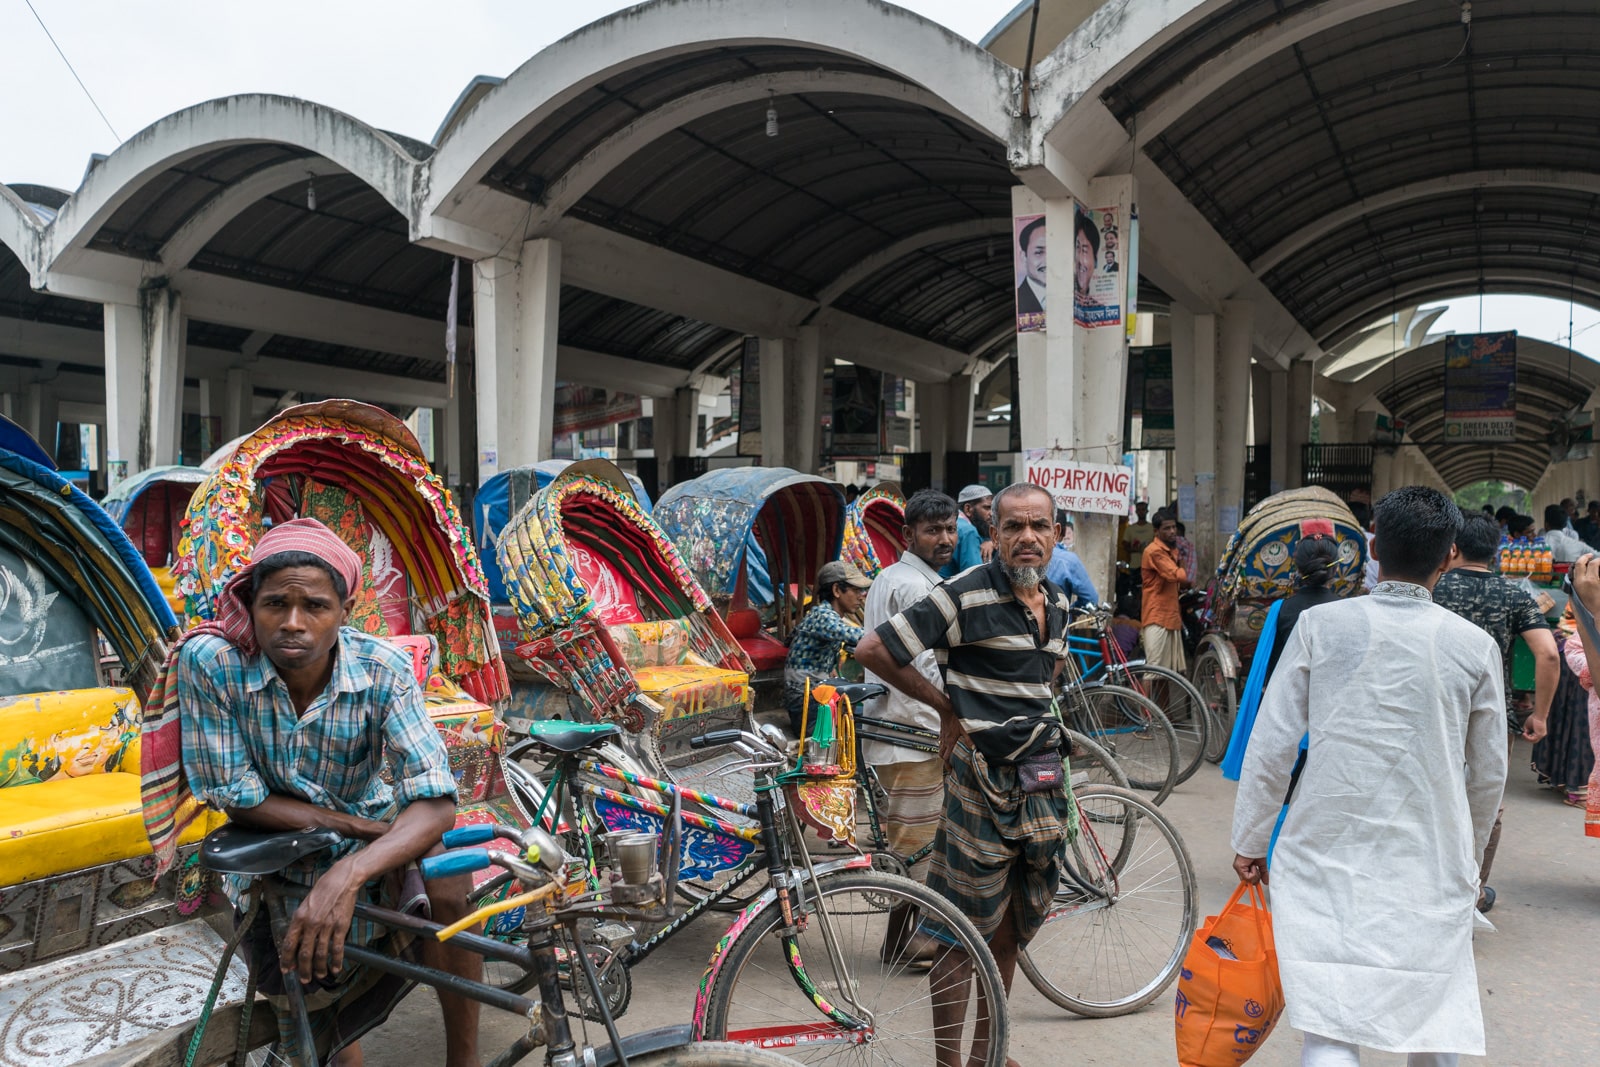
(997, 847)
(912, 808)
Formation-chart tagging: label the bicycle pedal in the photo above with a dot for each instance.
(613, 935)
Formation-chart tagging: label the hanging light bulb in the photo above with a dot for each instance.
(311, 194)
(772, 118)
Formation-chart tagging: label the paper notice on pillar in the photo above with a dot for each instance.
(1480, 387)
(1228, 518)
(1130, 269)
(1092, 488)
(1186, 503)
(1027, 253)
(1096, 269)
(582, 407)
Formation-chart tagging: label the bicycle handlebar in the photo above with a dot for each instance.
(716, 737)
(458, 861)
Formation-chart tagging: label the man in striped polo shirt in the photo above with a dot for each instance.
(999, 633)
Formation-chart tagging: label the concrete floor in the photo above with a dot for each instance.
(1537, 972)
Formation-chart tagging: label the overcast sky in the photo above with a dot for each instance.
(397, 64)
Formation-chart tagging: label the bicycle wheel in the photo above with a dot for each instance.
(1091, 764)
(1121, 923)
(755, 996)
(1222, 702)
(1134, 731)
(1183, 706)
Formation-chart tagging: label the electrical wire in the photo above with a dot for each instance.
(73, 71)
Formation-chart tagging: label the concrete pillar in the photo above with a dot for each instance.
(774, 355)
(1302, 376)
(1072, 380)
(1278, 412)
(1235, 339)
(933, 425)
(145, 350)
(1194, 383)
(1382, 473)
(238, 405)
(960, 408)
(664, 427)
(41, 414)
(802, 430)
(1047, 360)
(516, 312)
(1260, 405)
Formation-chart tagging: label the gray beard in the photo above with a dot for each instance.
(1024, 577)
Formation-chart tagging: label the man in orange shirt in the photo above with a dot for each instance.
(1161, 627)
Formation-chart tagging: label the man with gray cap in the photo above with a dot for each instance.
(815, 645)
(974, 542)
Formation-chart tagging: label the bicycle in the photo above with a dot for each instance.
(1126, 724)
(1128, 884)
(262, 856)
(763, 984)
(1099, 655)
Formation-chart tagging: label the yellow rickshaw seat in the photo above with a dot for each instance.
(63, 826)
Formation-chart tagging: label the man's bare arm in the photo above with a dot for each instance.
(279, 812)
(1546, 675)
(314, 945)
(872, 655)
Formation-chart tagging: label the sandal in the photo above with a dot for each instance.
(1575, 800)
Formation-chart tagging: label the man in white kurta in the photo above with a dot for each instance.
(1374, 876)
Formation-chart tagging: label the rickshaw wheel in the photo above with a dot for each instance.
(1221, 701)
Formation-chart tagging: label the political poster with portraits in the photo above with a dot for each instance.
(1027, 253)
(1097, 264)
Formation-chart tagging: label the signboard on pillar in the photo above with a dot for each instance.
(749, 398)
(1091, 488)
(1155, 407)
(1480, 387)
(1097, 258)
(1027, 253)
(857, 411)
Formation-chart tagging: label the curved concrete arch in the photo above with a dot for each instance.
(226, 205)
(363, 151)
(953, 231)
(1454, 284)
(1521, 178)
(19, 228)
(1420, 361)
(577, 180)
(976, 86)
(1119, 36)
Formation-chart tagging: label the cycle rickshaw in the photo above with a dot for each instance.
(1257, 568)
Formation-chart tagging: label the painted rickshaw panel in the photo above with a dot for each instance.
(502, 496)
(610, 613)
(151, 507)
(873, 538)
(1257, 565)
(75, 865)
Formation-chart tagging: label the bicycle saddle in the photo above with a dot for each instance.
(558, 736)
(856, 692)
(232, 850)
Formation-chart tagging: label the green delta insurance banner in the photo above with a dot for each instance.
(1480, 387)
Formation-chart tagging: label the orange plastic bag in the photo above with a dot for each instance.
(1226, 1007)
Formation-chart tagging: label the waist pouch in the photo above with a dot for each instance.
(1042, 772)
